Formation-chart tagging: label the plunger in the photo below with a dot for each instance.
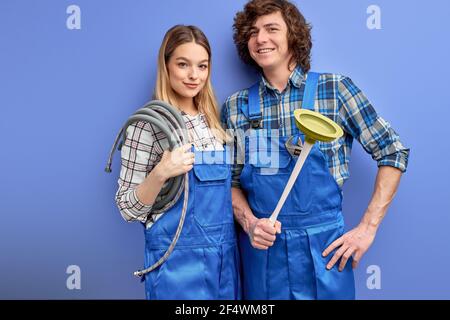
(316, 127)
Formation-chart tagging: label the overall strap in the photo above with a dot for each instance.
(310, 90)
(254, 114)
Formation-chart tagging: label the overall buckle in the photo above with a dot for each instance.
(256, 123)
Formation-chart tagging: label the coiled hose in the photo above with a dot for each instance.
(170, 122)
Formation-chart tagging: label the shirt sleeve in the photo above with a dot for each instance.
(236, 166)
(138, 158)
(376, 136)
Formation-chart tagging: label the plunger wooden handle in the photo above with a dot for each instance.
(307, 146)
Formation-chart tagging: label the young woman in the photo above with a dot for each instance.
(204, 263)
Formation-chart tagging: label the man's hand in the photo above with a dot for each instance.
(262, 233)
(353, 243)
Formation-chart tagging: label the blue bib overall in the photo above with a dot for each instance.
(205, 261)
(311, 218)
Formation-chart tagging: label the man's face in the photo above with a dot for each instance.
(268, 44)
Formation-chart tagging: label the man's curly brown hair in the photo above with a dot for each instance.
(299, 31)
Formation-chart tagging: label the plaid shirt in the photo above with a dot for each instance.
(141, 151)
(339, 99)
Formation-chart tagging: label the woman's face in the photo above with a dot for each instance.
(188, 70)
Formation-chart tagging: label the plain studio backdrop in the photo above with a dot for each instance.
(71, 72)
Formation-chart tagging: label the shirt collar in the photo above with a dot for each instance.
(199, 114)
(295, 79)
(297, 76)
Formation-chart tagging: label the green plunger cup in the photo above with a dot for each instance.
(316, 127)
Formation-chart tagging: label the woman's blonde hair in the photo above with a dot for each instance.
(205, 100)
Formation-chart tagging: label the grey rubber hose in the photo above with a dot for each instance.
(171, 123)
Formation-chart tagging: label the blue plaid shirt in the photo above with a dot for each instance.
(339, 99)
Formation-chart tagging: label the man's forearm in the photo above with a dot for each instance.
(242, 212)
(386, 184)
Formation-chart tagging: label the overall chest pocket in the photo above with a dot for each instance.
(212, 198)
(270, 171)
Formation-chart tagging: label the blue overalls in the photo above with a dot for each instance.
(311, 218)
(205, 261)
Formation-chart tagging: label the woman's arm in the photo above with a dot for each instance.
(138, 187)
(172, 164)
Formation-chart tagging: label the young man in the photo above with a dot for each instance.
(306, 254)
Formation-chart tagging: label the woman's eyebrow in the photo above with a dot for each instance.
(187, 60)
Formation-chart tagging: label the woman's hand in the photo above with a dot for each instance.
(174, 163)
